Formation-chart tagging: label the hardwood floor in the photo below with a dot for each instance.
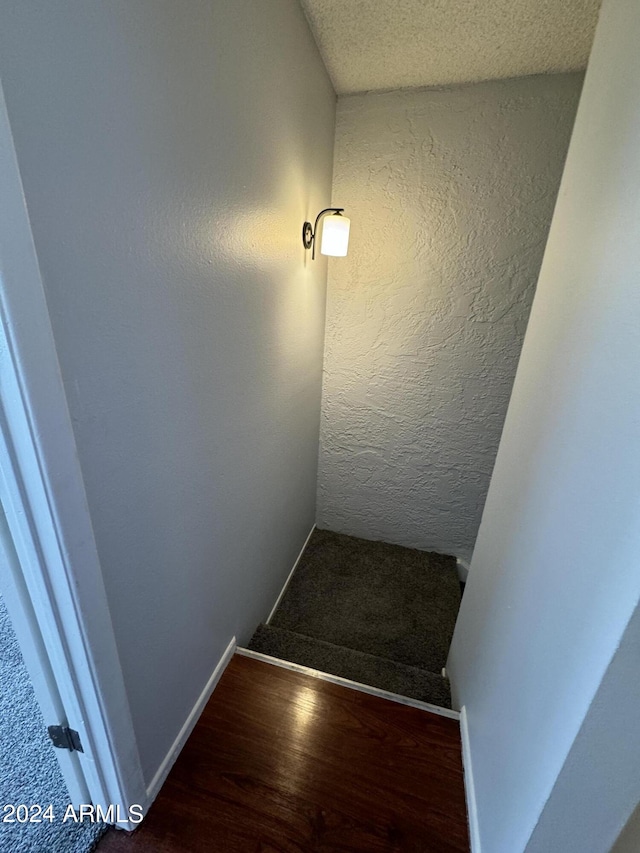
(281, 762)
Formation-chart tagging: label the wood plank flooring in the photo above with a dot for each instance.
(281, 762)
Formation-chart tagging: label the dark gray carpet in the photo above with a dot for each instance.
(356, 666)
(384, 600)
(29, 771)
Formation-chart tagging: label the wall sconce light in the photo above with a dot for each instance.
(335, 233)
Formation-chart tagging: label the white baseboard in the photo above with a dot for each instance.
(288, 580)
(463, 569)
(163, 771)
(469, 787)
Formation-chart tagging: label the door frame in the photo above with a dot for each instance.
(57, 600)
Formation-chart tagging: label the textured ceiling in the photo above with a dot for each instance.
(394, 44)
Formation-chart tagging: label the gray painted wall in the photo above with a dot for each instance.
(170, 153)
(554, 578)
(450, 194)
(599, 784)
(629, 840)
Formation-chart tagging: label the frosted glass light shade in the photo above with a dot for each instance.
(335, 235)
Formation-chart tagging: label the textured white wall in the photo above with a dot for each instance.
(450, 194)
(169, 157)
(554, 579)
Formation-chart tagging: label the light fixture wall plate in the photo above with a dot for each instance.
(335, 233)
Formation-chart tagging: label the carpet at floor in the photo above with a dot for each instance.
(395, 603)
(29, 771)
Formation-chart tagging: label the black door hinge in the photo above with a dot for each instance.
(65, 738)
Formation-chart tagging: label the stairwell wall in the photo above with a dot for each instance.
(629, 839)
(170, 153)
(450, 193)
(539, 648)
(599, 784)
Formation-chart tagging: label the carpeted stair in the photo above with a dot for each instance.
(375, 613)
(356, 666)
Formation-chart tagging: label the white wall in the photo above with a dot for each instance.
(451, 193)
(599, 784)
(169, 154)
(629, 839)
(554, 577)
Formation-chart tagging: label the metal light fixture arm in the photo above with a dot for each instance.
(309, 231)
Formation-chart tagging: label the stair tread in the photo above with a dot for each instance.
(393, 602)
(355, 665)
